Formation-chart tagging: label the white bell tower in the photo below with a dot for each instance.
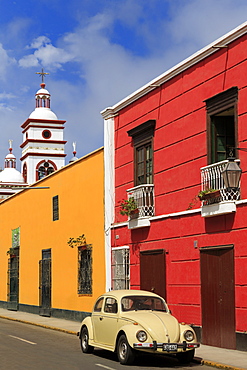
(43, 144)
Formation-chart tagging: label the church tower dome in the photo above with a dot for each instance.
(43, 104)
(10, 173)
(43, 144)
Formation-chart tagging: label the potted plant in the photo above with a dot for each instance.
(209, 194)
(128, 207)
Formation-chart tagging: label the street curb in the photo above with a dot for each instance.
(196, 359)
(217, 365)
(221, 366)
(40, 325)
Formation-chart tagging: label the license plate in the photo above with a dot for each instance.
(170, 347)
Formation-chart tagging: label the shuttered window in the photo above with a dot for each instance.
(144, 164)
(55, 208)
(222, 125)
(142, 136)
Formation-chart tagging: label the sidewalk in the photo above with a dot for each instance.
(217, 357)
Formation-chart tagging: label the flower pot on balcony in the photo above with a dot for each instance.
(209, 195)
(134, 213)
(128, 206)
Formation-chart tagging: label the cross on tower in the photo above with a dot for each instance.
(42, 74)
(10, 143)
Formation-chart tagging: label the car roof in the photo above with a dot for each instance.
(128, 292)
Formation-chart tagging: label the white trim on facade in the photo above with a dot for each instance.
(109, 173)
(136, 223)
(216, 209)
(121, 247)
(168, 215)
(175, 214)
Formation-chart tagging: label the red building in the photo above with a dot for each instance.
(164, 144)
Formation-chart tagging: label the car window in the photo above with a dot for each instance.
(137, 303)
(110, 305)
(98, 305)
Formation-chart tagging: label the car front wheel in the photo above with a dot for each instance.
(125, 353)
(85, 347)
(186, 357)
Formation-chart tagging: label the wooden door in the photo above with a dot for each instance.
(153, 271)
(218, 297)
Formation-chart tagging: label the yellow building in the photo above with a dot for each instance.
(54, 237)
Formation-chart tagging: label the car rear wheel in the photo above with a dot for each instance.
(85, 347)
(125, 353)
(186, 357)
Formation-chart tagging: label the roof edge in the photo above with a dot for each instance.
(178, 68)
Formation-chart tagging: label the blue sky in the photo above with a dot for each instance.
(97, 53)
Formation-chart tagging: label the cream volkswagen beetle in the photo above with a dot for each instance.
(127, 321)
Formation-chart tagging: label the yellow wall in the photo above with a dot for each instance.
(80, 189)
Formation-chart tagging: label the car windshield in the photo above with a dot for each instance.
(137, 303)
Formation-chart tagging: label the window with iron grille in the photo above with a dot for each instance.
(120, 268)
(142, 136)
(55, 208)
(85, 269)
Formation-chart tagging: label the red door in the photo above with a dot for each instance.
(153, 271)
(218, 297)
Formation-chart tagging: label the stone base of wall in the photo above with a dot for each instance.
(54, 312)
(241, 338)
(241, 341)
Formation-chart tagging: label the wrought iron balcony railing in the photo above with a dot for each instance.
(211, 178)
(144, 198)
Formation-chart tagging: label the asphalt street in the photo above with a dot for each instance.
(25, 346)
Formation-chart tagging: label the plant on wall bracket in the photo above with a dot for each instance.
(77, 242)
(11, 252)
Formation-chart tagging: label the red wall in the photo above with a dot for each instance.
(180, 150)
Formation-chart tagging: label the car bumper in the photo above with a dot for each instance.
(167, 347)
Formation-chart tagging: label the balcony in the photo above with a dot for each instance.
(144, 198)
(225, 201)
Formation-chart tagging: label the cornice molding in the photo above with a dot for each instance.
(40, 121)
(45, 141)
(33, 154)
(45, 126)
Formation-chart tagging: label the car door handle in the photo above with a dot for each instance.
(101, 318)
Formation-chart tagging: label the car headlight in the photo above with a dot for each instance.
(189, 335)
(141, 335)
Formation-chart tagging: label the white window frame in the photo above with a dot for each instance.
(121, 270)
